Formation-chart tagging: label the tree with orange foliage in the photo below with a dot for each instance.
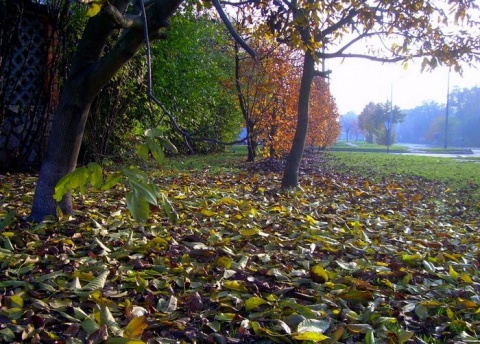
(323, 125)
(267, 90)
(270, 88)
(278, 123)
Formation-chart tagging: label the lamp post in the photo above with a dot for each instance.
(446, 110)
(388, 123)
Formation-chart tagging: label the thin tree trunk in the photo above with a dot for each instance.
(290, 175)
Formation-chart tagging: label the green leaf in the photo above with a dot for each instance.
(405, 336)
(254, 302)
(138, 207)
(133, 173)
(313, 325)
(359, 328)
(77, 179)
(7, 220)
(168, 145)
(369, 337)
(142, 151)
(112, 180)
(156, 150)
(106, 318)
(98, 282)
(96, 174)
(89, 326)
(153, 132)
(169, 210)
(144, 190)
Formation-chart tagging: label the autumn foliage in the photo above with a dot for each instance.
(324, 126)
(270, 88)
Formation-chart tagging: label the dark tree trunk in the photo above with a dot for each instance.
(249, 123)
(62, 151)
(290, 175)
(91, 69)
(252, 150)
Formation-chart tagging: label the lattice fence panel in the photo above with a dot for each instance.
(27, 64)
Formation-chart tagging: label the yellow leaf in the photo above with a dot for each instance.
(336, 335)
(466, 303)
(235, 285)
(356, 295)
(453, 274)
(451, 257)
(310, 220)
(310, 336)
(228, 200)
(411, 258)
(224, 262)
(135, 327)
(208, 213)
(431, 303)
(16, 301)
(254, 302)
(450, 313)
(388, 283)
(249, 232)
(319, 274)
(94, 8)
(467, 279)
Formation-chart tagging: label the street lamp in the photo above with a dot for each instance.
(388, 127)
(446, 110)
(388, 123)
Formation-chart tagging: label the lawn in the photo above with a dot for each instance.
(363, 146)
(374, 248)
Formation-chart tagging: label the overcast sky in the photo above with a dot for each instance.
(354, 83)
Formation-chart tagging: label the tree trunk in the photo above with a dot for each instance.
(290, 175)
(91, 70)
(61, 153)
(251, 141)
(251, 147)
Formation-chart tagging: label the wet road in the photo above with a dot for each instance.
(417, 149)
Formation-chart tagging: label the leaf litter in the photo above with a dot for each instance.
(344, 259)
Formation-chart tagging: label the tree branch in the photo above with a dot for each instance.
(122, 21)
(231, 29)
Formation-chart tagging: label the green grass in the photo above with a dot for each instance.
(456, 174)
(363, 146)
(215, 163)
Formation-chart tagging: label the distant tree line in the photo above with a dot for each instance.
(425, 124)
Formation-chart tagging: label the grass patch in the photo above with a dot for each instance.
(457, 175)
(363, 146)
(215, 163)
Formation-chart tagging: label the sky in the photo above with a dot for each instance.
(356, 82)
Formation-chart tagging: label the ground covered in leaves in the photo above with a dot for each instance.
(345, 259)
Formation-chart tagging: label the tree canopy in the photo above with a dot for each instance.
(377, 30)
(376, 120)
